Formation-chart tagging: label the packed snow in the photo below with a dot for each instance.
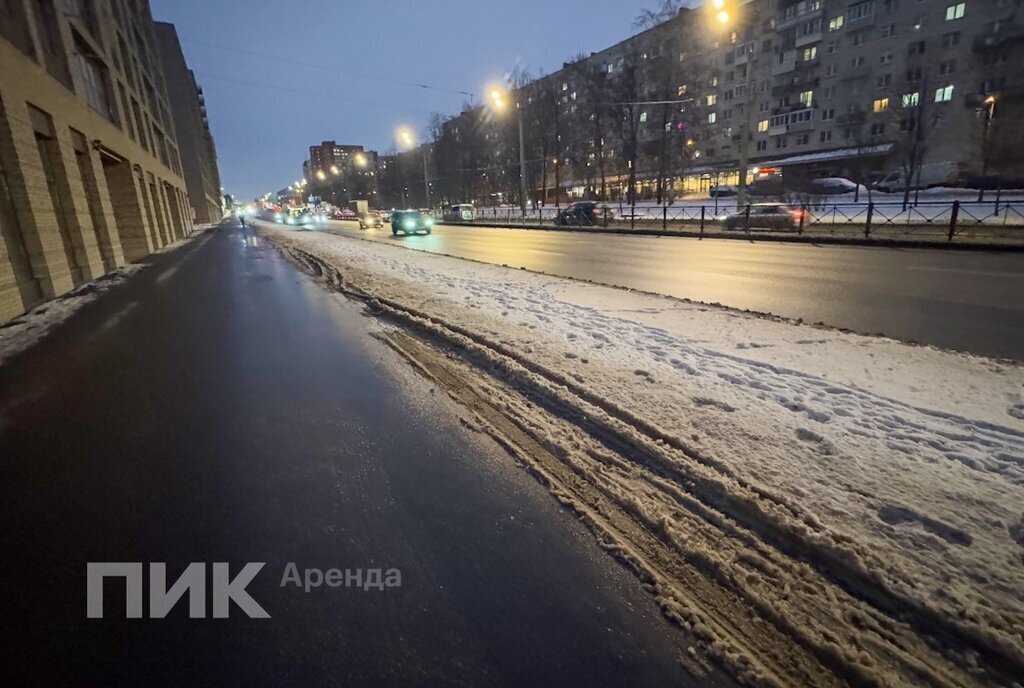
(913, 455)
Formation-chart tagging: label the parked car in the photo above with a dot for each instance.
(410, 222)
(461, 212)
(370, 219)
(774, 216)
(721, 191)
(585, 214)
(830, 186)
(929, 175)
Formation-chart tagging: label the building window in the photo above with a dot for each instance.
(835, 23)
(681, 90)
(950, 40)
(880, 105)
(762, 145)
(911, 99)
(888, 31)
(806, 98)
(828, 114)
(913, 74)
(803, 139)
(944, 94)
(94, 81)
(762, 126)
(825, 136)
(829, 92)
(712, 99)
(916, 48)
(643, 117)
(857, 61)
(954, 12)
(885, 58)
(877, 129)
(862, 10)
(712, 118)
(810, 53)
(780, 142)
(883, 80)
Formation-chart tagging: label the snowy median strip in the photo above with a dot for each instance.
(907, 458)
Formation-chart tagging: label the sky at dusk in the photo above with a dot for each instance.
(347, 69)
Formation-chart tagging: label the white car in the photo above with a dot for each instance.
(837, 185)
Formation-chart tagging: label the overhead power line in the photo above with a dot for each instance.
(327, 68)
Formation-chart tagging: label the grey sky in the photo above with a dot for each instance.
(266, 112)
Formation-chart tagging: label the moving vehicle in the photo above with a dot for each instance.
(410, 222)
(370, 219)
(359, 207)
(460, 212)
(775, 216)
(585, 214)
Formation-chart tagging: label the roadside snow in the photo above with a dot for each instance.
(914, 454)
(17, 334)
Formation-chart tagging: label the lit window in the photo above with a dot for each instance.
(681, 90)
(712, 99)
(954, 12)
(712, 118)
(944, 94)
(880, 105)
(643, 116)
(806, 98)
(810, 53)
(835, 23)
(911, 99)
(762, 125)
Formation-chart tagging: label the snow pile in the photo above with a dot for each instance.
(911, 455)
(17, 334)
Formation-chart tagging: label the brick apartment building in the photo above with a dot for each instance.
(192, 125)
(805, 88)
(339, 173)
(90, 172)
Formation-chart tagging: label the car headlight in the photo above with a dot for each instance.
(278, 217)
(409, 224)
(429, 221)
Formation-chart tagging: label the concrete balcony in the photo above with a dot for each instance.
(809, 39)
(786, 65)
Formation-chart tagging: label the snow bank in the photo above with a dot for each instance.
(912, 455)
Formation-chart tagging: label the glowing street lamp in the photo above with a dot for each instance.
(407, 140)
(499, 99)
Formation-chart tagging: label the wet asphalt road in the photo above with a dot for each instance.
(222, 407)
(969, 301)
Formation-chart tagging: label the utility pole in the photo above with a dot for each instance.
(522, 161)
(426, 176)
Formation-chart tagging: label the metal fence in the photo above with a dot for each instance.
(927, 220)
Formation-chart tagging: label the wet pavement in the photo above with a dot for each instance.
(963, 300)
(222, 407)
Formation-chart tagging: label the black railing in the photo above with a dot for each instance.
(889, 219)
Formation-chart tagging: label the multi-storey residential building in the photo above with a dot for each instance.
(90, 175)
(805, 88)
(339, 173)
(188, 109)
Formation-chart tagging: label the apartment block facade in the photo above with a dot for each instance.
(90, 173)
(801, 88)
(192, 125)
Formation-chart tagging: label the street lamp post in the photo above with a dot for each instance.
(499, 98)
(407, 140)
(990, 112)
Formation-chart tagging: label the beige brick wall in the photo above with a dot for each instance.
(107, 220)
